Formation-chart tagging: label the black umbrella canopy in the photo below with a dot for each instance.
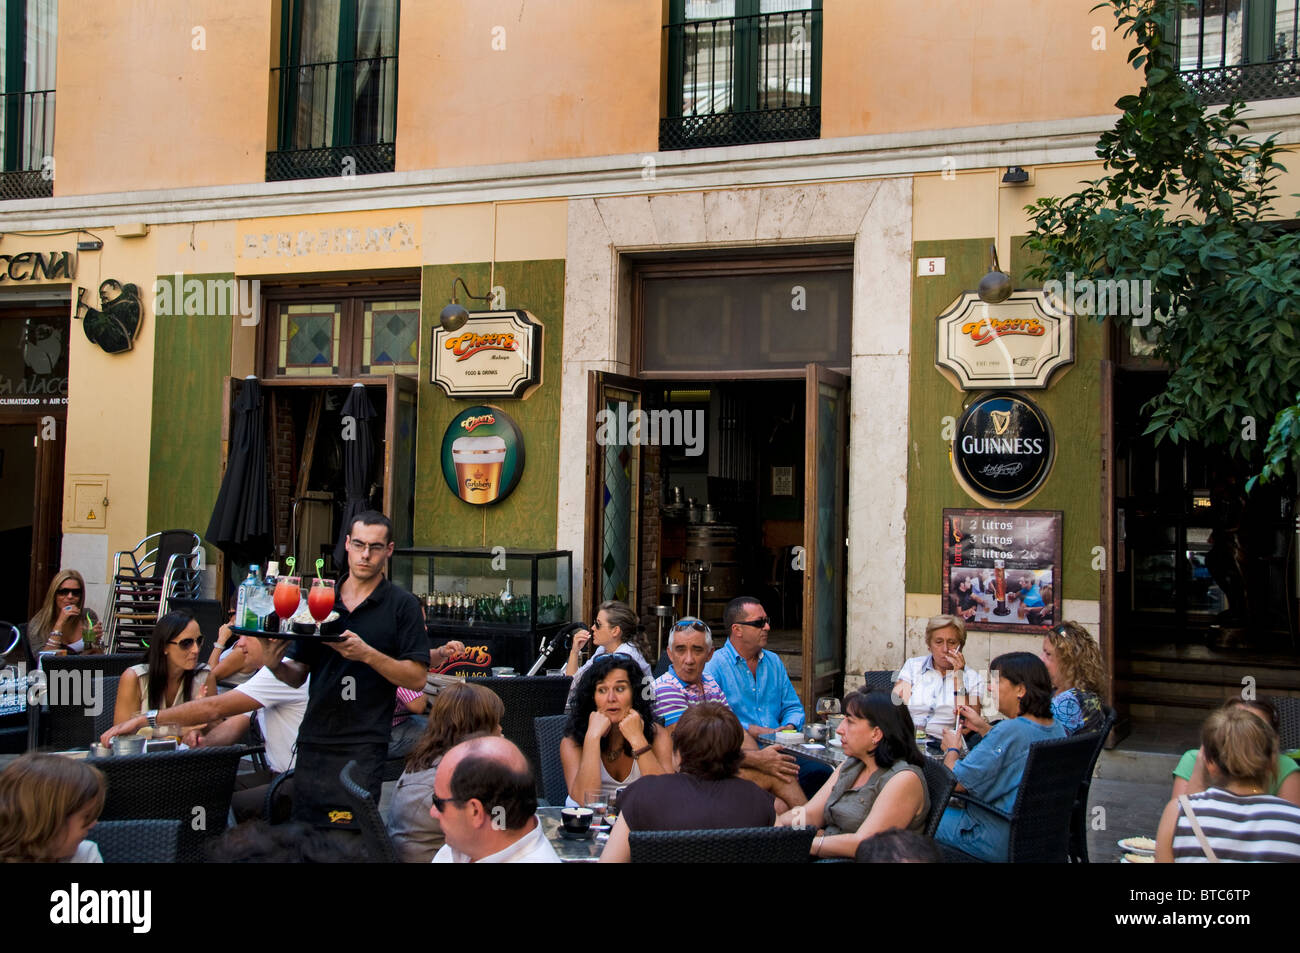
(241, 519)
(358, 464)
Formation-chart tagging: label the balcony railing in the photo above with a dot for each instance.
(736, 80)
(335, 119)
(27, 145)
(1238, 49)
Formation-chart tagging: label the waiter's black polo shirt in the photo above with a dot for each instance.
(349, 702)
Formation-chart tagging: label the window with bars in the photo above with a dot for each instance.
(1243, 49)
(29, 32)
(335, 90)
(742, 71)
(363, 332)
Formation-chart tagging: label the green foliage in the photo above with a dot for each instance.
(1188, 203)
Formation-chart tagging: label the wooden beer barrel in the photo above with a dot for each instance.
(715, 543)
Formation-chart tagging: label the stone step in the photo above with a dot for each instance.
(1149, 767)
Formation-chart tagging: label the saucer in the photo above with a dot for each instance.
(570, 835)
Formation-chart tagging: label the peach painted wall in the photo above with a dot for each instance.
(140, 108)
(576, 78)
(901, 65)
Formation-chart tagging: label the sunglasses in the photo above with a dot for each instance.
(695, 624)
(186, 644)
(756, 623)
(65, 591)
(441, 802)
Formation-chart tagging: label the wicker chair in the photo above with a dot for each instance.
(527, 698)
(190, 787)
(1079, 816)
(1288, 713)
(741, 845)
(550, 732)
(114, 664)
(1040, 819)
(138, 842)
(366, 813)
(939, 785)
(62, 721)
(878, 680)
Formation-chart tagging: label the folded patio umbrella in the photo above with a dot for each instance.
(358, 464)
(241, 519)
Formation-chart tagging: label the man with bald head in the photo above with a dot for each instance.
(485, 798)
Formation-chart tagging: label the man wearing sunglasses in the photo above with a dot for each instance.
(690, 646)
(754, 680)
(351, 694)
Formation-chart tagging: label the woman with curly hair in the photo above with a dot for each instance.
(458, 712)
(48, 803)
(1073, 662)
(612, 737)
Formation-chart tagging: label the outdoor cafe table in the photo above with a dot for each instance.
(827, 754)
(570, 851)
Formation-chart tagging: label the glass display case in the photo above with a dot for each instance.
(501, 604)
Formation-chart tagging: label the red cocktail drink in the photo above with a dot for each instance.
(320, 600)
(288, 595)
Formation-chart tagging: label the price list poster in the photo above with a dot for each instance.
(1002, 569)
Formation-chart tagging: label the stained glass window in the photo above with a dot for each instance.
(390, 339)
(309, 340)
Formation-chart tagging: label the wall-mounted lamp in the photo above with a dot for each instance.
(995, 287)
(1015, 176)
(454, 316)
(89, 244)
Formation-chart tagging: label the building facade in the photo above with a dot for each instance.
(712, 206)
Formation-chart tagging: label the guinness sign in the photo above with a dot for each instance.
(1003, 449)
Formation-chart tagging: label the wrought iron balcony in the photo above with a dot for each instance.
(27, 145)
(1240, 49)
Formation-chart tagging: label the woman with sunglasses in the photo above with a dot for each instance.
(616, 630)
(171, 673)
(63, 624)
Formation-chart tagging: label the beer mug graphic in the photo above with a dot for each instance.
(478, 462)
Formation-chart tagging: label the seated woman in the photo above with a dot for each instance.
(458, 712)
(705, 794)
(63, 624)
(612, 737)
(927, 683)
(880, 785)
(1238, 821)
(1073, 663)
(993, 770)
(171, 673)
(616, 629)
(48, 803)
(1190, 776)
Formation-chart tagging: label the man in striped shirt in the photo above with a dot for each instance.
(690, 644)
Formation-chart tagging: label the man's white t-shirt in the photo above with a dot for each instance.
(532, 848)
(282, 709)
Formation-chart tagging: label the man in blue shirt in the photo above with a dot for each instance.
(753, 679)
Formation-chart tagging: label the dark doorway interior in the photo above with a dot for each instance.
(18, 491)
(1205, 592)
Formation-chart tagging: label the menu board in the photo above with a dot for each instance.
(1002, 568)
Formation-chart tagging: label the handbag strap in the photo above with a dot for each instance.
(1186, 805)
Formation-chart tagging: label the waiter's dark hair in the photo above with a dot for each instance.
(496, 785)
(373, 518)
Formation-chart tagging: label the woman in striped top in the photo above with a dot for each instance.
(1238, 821)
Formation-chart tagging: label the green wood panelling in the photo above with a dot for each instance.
(191, 361)
(1072, 402)
(527, 518)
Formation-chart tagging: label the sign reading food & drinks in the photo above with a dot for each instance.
(495, 354)
(1019, 343)
(1003, 448)
(482, 455)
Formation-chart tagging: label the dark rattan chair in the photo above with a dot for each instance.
(1040, 819)
(191, 787)
(366, 813)
(137, 842)
(66, 717)
(527, 698)
(550, 732)
(939, 785)
(114, 664)
(741, 845)
(17, 656)
(1288, 713)
(1079, 816)
(273, 791)
(878, 680)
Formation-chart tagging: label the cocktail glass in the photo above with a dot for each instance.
(320, 600)
(288, 595)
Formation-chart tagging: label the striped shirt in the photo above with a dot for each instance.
(1256, 828)
(673, 696)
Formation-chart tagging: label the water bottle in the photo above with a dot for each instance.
(244, 611)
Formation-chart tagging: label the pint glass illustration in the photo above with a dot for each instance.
(478, 463)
